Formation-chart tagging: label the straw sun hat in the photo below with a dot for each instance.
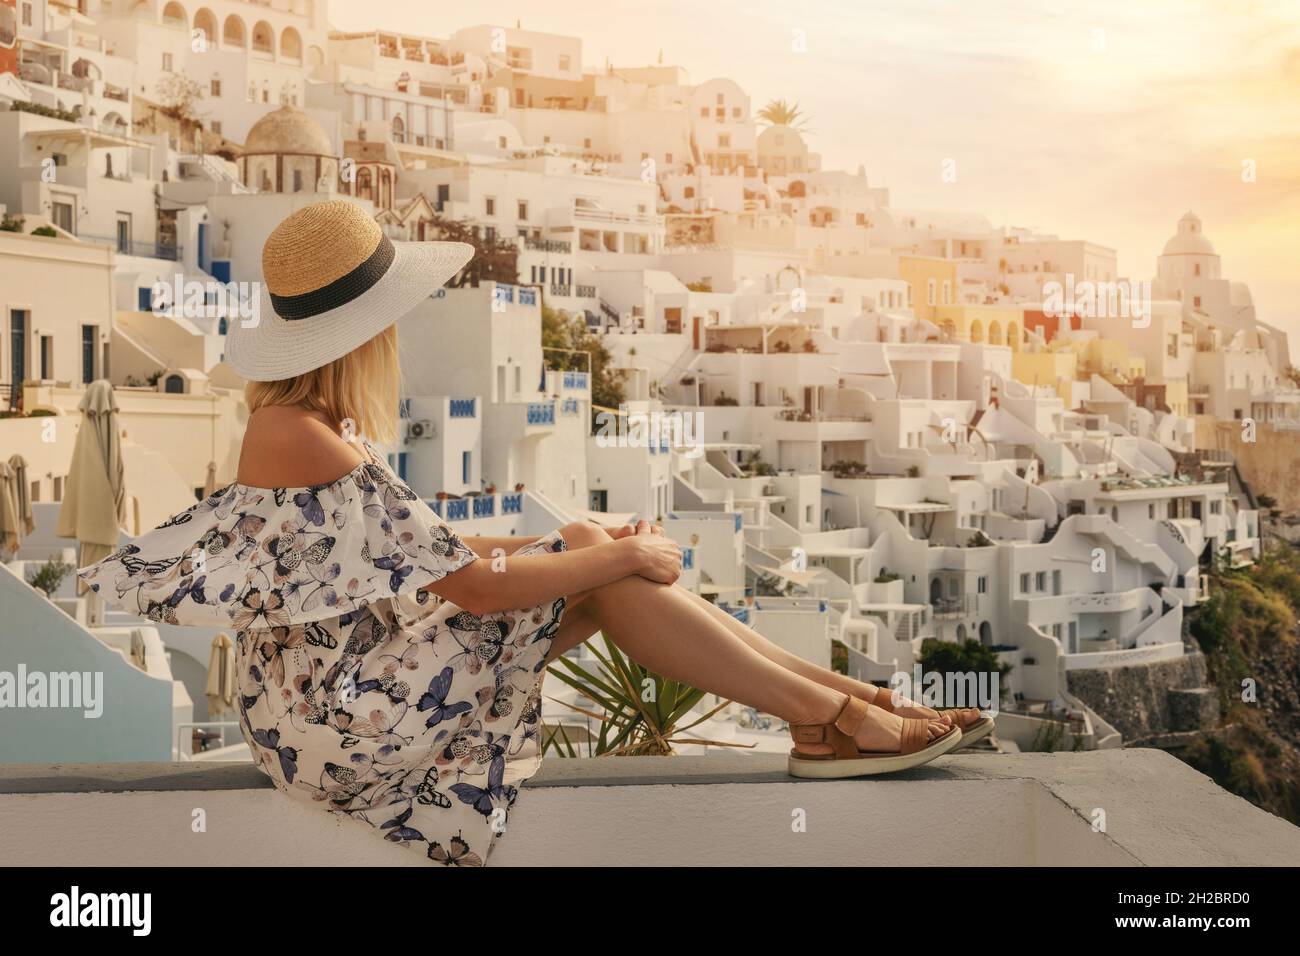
(333, 281)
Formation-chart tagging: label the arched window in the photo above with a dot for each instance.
(206, 21)
(291, 45)
(174, 16)
(233, 33)
(977, 331)
(399, 129)
(365, 184)
(995, 333)
(1013, 337)
(175, 385)
(931, 286)
(263, 38)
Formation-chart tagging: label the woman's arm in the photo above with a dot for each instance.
(489, 586)
(486, 547)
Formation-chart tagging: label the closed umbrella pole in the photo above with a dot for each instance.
(210, 483)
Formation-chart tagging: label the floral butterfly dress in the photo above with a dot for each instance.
(359, 693)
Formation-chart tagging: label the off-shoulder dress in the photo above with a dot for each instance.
(359, 693)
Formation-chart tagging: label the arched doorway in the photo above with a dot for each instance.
(986, 634)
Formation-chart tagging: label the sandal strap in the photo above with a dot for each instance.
(838, 735)
(884, 699)
(915, 735)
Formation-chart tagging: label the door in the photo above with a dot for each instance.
(598, 499)
(62, 216)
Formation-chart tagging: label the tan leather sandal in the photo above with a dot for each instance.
(846, 760)
(975, 730)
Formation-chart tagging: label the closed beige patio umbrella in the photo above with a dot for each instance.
(10, 523)
(220, 689)
(22, 495)
(94, 497)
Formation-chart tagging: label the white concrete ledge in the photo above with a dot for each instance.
(979, 810)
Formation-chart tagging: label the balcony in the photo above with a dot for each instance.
(558, 246)
(541, 413)
(1030, 810)
(576, 381)
(962, 606)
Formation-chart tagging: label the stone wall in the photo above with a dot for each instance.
(1137, 699)
(1268, 463)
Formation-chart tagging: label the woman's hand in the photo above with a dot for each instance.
(656, 556)
(641, 527)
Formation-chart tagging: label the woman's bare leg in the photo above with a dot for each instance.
(661, 628)
(664, 629)
(822, 675)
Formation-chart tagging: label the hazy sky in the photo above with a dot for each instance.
(1099, 120)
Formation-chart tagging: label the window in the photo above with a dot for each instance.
(124, 233)
(1024, 584)
(1040, 581)
(490, 233)
(216, 127)
(18, 321)
(464, 467)
(523, 211)
(982, 585)
(564, 62)
(27, 14)
(931, 287)
(947, 292)
(167, 62)
(489, 206)
(214, 86)
(586, 142)
(501, 142)
(724, 141)
(1151, 511)
(87, 354)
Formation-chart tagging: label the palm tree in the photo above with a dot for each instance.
(781, 113)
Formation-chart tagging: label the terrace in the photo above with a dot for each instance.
(723, 809)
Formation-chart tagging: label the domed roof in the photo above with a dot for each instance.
(288, 130)
(1189, 239)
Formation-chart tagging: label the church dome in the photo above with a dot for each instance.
(287, 130)
(1189, 240)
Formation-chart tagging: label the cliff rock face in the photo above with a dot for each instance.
(1140, 700)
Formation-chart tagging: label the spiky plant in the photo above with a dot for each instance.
(640, 713)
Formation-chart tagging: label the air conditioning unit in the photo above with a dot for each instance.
(419, 429)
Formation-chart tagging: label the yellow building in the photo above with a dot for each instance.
(932, 282)
(1058, 368)
(988, 324)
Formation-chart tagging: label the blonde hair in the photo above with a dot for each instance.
(363, 387)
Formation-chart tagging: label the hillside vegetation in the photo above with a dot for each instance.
(1248, 633)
